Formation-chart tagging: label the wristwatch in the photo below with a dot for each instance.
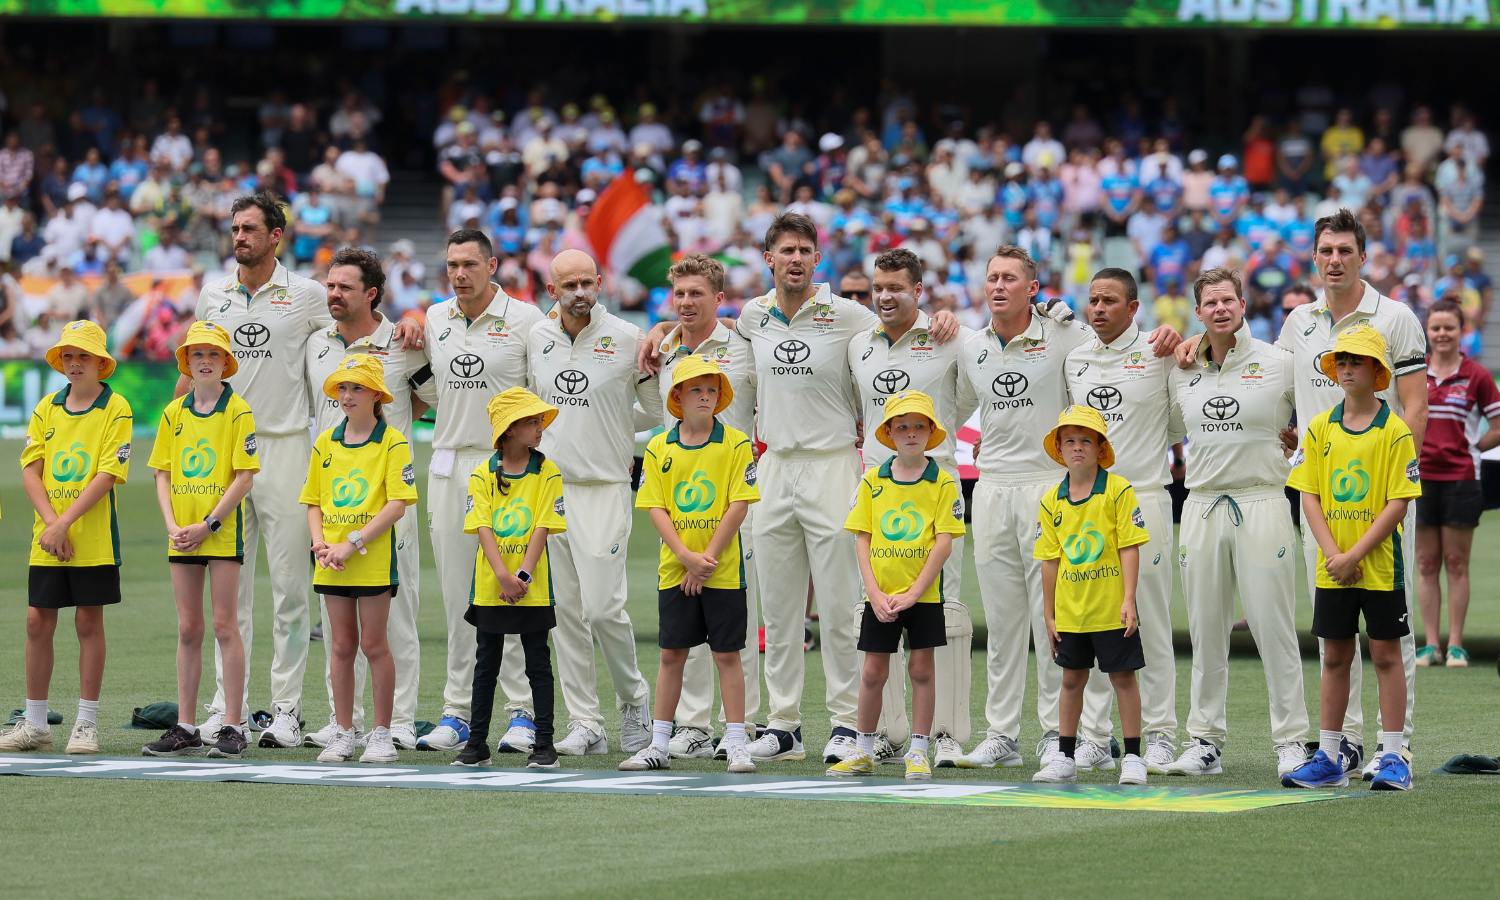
(358, 540)
(523, 576)
(213, 524)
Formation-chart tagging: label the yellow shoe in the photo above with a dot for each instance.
(25, 736)
(84, 741)
(858, 762)
(918, 768)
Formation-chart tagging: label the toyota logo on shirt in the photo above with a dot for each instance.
(890, 381)
(571, 382)
(252, 335)
(466, 365)
(1221, 408)
(1104, 399)
(791, 352)
(1009, 384)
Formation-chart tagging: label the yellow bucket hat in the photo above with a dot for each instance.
(514, 404)
(910, 402)
(1364, 341)
(88, 337)
(1084, 417)
(692, 367)
(362, 369)
(212, 335)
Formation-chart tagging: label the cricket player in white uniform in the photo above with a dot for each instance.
(697, 292)
(1233, 403)
(902, 355)
(476, 347)
(1312, 330)
(582, 360)
(1119, 374)
(356, 285)
(270, 314)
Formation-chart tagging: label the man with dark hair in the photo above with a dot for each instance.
(901, 355)
(356, 286)
(855, 285)
(476, 348)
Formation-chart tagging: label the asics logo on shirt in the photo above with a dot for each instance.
(905, 525)
(512, 520)
(350, 491)
(1352, 484)
(198, 461)
(71, 464)
(1084, 547)
(695, 495)
(890, 381)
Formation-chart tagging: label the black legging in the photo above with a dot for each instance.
(538, 673)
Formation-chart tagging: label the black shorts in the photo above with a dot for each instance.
(717, 617)
(1115, 229)
(1336, 614)
(922, 622)
(1450, 504)
(58, 587)
(353, 590)
(1115, 651)
(511, 619)
(203, 560)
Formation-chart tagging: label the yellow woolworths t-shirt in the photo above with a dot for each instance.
(73, 448)
(350, 484)
(1086, 539)
(903, 520)
(203, 453)
(695, 485)
(1354, 474)
(532, 499)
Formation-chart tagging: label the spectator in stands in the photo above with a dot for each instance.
(788, 164)
(1294, 158)
(462, 164)
(1461, 197)
(544, 148)
(168, 254)
(111, 297)
(1043, 150)
(465, 210)
(27, 245)
(1421, 141)
(1381, 166)
(112, 230)
(688, 171)
(648, 130)
(1228, 192)
(607, 134)
(68, 230)
(1344, 138)
(93, 174)
(1353, 184)
(1466, 136)
(312, 220)
(36, 129)
(68, 297)
(17, 167)
(11, 216)
(172, 147)
(1260, 154)
(1082, 132)
(1474, 271)
(368, 175)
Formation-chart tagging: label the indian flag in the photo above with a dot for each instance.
(627, 233)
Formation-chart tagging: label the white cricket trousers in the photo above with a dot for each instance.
(455, 552)
(1153, 608)
(893, 719)
(1354, 715)
(695, 705)
(799, 531)
(400, 632)
(1242, 539)
(272, 511)
(588, 580)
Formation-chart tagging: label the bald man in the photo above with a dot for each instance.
(581, 359)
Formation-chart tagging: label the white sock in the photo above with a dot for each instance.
(1329, 742)
(919, 743)
(36, 714)
(1390, 742)
(661, 733)
(865, 742)
(734, 733)
(88, 710)
(189, 727)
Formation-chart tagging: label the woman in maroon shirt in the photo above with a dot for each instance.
(1460, 393)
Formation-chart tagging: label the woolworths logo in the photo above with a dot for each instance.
(512, 520)
(903, 525)
(695, 494)
(198, 461)
(71, 464)
(350, 491)
(1352, 484)
(1084, 547)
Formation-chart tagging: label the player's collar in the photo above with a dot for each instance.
(922, 323)
(1242, 339)
(1384, 414)
(533, 462)
(100, 402)
(1101, 481)
(279, 277)
(821, 294)
(928, 474)
(714, 437)
(375, 437)
(385, 329)
(499, 304)
(1125, 339)
(673, 341)
(187, 402)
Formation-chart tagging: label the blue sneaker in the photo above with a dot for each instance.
(1320, 771)
(1391, 774)
(520, 736)
(450, 734)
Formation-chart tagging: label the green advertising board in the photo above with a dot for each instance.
(1374, 14)
(147, 385)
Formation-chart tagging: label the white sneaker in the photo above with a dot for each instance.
(582, 741)
(1290, 757)
(1046, 748)
(519, 737)
(635, 730)
(839, 747)
(946, 752)
(25, 736)
(283, 733)
(994, 750)
(1200, 758)
(404, 737)
(1059, 770)
(84, 741)
(1159, 753)
(320, 738)
(768, 747)
(214, 723)
(381, 748)
(691, 743)
(646, 760)
(740, 762)
(887, 753)
(443, 738)
(341, 750)
(1091, 757)
(1132, 769)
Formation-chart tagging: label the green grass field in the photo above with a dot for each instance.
(97, 838)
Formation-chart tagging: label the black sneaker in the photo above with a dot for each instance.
(543, 756)
(176, 742)
(229, 743)
(474, 753)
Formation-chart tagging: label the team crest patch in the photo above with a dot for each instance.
(1038, 532)
(958, 510)
(1182, 555)
(557, 507)
(1298, 458)
(1137, 518)
(123, 454)
(351, 362)
(468, 508)
(750, 474)
(408, 475)
(250, 445)
(1413, 474)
